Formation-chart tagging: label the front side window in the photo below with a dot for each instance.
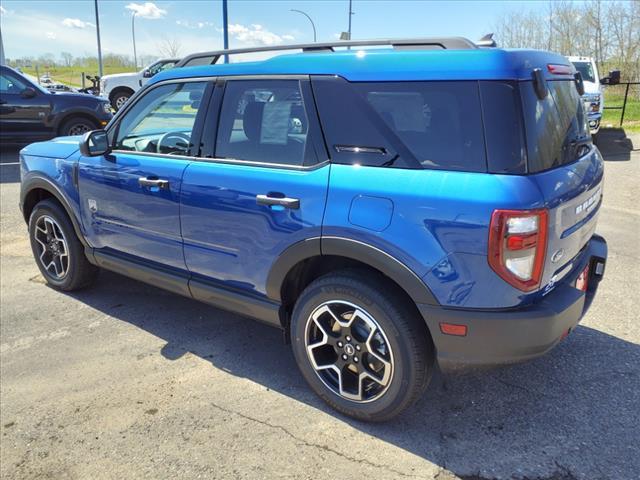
(11, 84)
(162, 120)
(264, 121)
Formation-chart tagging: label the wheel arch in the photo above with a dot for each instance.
(307, 260)
(36, 189)
(87, 115)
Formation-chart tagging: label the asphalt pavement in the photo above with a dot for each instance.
(124, 380)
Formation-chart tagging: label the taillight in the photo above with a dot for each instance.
(560, 69)
(517, 246)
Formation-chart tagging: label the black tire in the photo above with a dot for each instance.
(119, 99)
(79, 272)
(77, 126)
(411, 349)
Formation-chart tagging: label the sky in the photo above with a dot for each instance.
(36, 27)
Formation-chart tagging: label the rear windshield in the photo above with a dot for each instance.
(556, 127)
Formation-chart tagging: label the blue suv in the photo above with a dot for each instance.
(387, 208)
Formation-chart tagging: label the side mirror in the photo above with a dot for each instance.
(579, 83)
(147, 74)
(612, 79)
(28, 92)
(94, 143)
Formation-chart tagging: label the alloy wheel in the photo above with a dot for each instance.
(120, 101)
(53, 250)
(349, 351)
(79, 128)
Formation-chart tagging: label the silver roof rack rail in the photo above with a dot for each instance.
(444, 43)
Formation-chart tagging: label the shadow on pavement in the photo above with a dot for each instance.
(615, 145)
(579, 403)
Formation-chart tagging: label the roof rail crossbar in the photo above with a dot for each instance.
(449, 43)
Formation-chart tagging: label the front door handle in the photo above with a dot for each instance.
(154, 182)
(286, 202)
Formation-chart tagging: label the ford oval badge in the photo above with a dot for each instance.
(557, 256)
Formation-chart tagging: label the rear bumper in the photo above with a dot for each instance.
(508, 336)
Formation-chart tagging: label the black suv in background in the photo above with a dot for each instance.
(29, 113)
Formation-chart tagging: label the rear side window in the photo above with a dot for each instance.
(435, 125)
(556, 127)
(264, 121)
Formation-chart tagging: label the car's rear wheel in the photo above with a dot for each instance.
(360, 345)
(77, 126)
(57, 250)
(119, 99)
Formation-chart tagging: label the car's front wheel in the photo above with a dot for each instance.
(57, 249)
(77, 126)
(119, 99)
(360, 345)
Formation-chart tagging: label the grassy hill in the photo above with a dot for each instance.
(72, 76)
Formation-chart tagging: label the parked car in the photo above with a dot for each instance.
(593, 93)
(29, 112)
(386, 208)
(119, 87)
(59, 87)
(46, 79)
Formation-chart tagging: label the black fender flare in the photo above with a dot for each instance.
(32, 182)
(352, 249)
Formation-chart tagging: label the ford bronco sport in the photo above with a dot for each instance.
(389, 209)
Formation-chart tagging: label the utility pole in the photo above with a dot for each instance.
(225, 29)
(350, 13)
(2, 59)
(133, 34)
(99, 45)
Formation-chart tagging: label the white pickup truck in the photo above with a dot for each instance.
(119, 87)
(593, 89)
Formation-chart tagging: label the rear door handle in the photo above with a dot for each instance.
(154, 182)
(286, 202)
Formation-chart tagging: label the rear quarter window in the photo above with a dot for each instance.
(435, 125)
(504, 136)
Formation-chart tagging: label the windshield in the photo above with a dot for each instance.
(160, 67)
(586, 70)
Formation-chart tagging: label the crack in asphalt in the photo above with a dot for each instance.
(316, 445)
